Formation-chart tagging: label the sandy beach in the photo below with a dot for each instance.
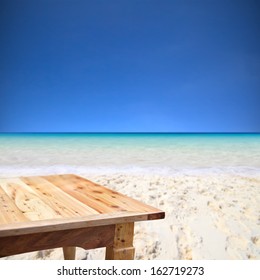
(208, 186)
(207, 217)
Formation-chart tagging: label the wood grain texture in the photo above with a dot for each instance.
(27, 201)
(69, 253)
(102, 199)
(9, 212)
(57, 199)
(87, 238)
(16, 229)
(40, 204)
(122, 248)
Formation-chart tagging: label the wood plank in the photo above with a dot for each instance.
(9, 212)
(73, 188)
(24, 228)
(27, 200)
(61, 202)
(126, 202)
(114, 199)
(87, 238)
(98, 197)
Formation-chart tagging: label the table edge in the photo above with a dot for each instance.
(40, 226)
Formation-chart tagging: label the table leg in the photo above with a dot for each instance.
(69, 253)
(122, 248)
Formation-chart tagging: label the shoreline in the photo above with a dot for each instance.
(34, 170)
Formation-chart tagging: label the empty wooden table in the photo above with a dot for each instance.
(44, 212)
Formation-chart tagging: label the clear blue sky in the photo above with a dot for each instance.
(129, 66)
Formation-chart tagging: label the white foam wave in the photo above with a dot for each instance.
(107, 170)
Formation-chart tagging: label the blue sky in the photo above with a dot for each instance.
(129, 66)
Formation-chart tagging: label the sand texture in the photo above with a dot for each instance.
(208, 216)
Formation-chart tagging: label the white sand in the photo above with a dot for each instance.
(208, 216)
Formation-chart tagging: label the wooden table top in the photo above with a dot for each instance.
(58, 202)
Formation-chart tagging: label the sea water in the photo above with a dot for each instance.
(129, 153)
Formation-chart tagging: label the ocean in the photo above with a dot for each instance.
(167, 154)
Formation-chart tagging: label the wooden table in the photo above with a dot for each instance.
(44, 212)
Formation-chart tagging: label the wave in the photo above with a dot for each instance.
(9, 171)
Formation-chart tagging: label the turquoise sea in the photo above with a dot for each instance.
(105, 153)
